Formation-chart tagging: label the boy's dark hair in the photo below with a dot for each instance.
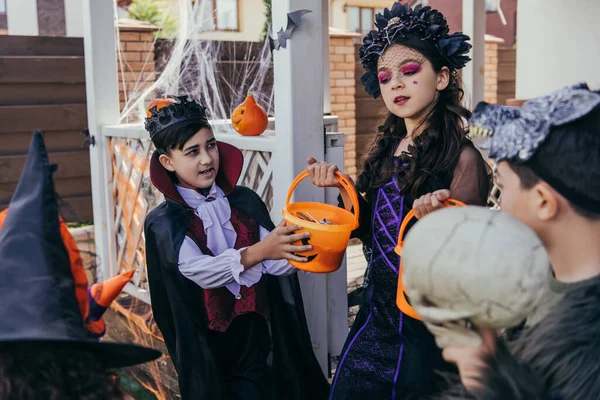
(176, 136)
(30, 371)
(571, 155)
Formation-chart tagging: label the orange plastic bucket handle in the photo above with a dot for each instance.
(341, 179)
(402, 303)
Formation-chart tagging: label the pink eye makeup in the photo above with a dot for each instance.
(410, 69)
(384, 77)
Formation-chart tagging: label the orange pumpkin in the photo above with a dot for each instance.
(159, 103)
(249, 119)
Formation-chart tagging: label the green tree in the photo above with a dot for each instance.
(149, 11)
(266, 32)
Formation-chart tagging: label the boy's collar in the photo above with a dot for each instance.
(230, 168)
(194, 198)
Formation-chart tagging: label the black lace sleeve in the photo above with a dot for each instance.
(471, 179)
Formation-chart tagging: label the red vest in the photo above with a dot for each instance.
(221, 305)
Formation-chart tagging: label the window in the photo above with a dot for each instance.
(2, 6)
(227, 14)
(362, 19)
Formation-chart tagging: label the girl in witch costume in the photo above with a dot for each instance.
(46, 352)
(420, 158)
(223, 294)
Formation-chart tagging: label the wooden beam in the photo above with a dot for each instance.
(42, 69)
(65, 187)
(46, 118)
(75, 209)
(40, 46)
(17, 143)
(41, 93)
(70, 164)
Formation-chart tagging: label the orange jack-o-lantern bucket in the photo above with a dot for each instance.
(329, 226)
(401, 301)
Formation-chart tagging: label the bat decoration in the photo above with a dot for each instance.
(293, 21)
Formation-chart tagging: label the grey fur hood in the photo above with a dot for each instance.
(558, 359)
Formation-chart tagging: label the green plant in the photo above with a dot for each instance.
(268, 19)
(149, 11)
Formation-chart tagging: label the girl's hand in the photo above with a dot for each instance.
(277, 245)
(469, 360)
(430, 202)
(322, 174)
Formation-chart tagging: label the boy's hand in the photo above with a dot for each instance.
(322, 174)
(469, 360)
(430, 202)
(277, 245)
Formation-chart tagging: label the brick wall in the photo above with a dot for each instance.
(490, 93)
(343, 90)
(500, 70)
(136, 69)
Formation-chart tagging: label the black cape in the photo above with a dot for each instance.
(177, 304)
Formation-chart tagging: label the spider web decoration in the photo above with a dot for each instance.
(217, 74)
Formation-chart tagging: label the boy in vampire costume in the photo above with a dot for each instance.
(223, 294)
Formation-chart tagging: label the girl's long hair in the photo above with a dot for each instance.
(436, 149)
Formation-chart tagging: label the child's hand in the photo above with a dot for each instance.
(322, 174)
(469, 360)
(430, 202)
(278, 244)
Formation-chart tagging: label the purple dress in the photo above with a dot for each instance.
(387, 355)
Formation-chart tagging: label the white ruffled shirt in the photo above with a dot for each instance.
(225, 268)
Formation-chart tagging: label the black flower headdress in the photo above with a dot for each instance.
(182, 109)
(400, 22)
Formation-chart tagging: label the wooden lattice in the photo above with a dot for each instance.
(257, 174)
(134, 197)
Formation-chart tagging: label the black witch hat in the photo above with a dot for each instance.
(37, 290)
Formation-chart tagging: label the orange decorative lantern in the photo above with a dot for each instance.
(249, 119)
(159, 103)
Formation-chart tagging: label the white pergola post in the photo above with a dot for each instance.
(326, 69)
(473, 72)
(298, 86)
(22, 18)
(102, 94)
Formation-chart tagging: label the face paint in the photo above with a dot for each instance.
(407, 81)
(410, 69)
(384, 77)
